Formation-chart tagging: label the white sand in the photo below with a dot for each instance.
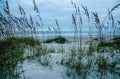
(34, 70)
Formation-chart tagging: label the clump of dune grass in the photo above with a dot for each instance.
(95, 53)
(14, 38)
(11, 53)
(58, 39)
(29, 41)
(113, 43)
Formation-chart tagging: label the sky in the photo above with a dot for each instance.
(62, 10)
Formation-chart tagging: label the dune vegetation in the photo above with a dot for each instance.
(98, 58)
